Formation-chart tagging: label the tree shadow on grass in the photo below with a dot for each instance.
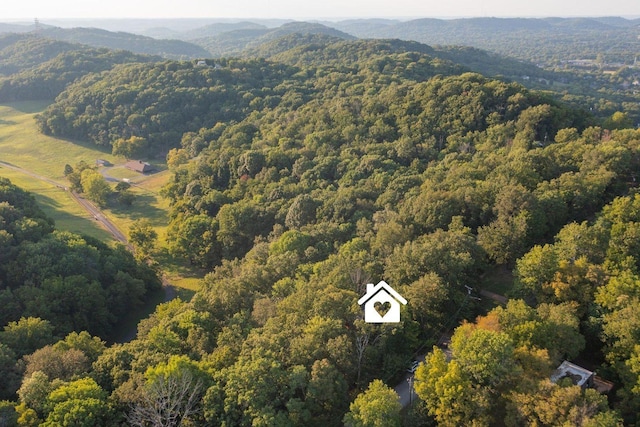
(65, 220)
(28, 107)
(141, 208)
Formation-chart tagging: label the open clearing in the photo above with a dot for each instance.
(22, 145)
(59, 205)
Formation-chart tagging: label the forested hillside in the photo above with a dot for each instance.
(73, 281)
(36, 68)
(159, 102)
(22, 51)
(298, 180)
(544, 41)
(235, 42)
(53, 283)
(174, 49)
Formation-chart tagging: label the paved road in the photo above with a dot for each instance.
(496, 297)
(104, 171)
(87, 205)
(99, 216)
(405, 391)
(169, 291)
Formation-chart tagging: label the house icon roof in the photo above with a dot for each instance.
(381, 303)
(382, 286)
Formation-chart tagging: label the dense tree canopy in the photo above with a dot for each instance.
(73, 282)
(297, 181)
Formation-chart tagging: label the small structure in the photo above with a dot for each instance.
(103, 162)
(579, 376)
(381, 303)
(202, 63)
(138, 166)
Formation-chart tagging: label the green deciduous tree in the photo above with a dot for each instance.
(377, 406)
(552, 404)
(143, 237)
(79, 403)
(94, 186)
(27, 335)
(130, 148)
(449, 394)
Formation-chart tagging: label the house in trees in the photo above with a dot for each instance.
(138, 166)
(577, 374)
(581, 377)
(381, 303)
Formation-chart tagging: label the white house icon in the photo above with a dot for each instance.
(381, 294)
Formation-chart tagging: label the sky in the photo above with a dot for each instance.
(12, 10)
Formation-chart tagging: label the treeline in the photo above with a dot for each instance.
(48, 79)
(74, 282)
(23, 51)
(412, 154)
(237, 41)
(298, 185)
(160, 102)
(541, 41)
(98, 38)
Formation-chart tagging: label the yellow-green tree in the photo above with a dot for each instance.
(377, 406)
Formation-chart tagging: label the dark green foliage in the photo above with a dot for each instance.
(50, 72)
(296, 186)
(73, 282)
(159, 102)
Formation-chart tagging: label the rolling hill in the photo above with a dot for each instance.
(171, 49)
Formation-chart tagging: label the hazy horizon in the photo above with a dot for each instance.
(328, 10)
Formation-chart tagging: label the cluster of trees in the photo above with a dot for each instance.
(159, 102)
(297, 184)
(74, 282)
(583, 290)
(48, 77)
(594, 267)
(498, 372)
(85, 179)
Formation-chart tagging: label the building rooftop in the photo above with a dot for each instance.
(579, 375)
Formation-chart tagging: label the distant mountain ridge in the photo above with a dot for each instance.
(33, 67)
(535, 39)
(172, 49)
(237, 41)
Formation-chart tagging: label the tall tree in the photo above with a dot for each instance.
(377, 406)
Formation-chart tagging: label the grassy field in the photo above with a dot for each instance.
(59, 205)
(22, 145)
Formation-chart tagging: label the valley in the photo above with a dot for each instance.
(294, 165)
